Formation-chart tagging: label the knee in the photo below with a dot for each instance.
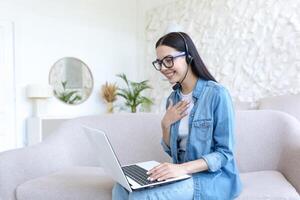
(119, 192)
(140, 195)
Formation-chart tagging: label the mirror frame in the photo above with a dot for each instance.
(89, 70)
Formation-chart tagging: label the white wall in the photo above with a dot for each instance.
(7, 87)
(101, 33)
(143, 7)
(144, 45)
(252, 47)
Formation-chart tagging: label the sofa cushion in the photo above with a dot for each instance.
(266, 185)
(91, 183)
(76, 183)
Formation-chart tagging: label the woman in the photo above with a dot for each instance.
(197, 129)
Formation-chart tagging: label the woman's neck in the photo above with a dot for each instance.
(189, 83)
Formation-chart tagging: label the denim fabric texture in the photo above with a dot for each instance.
(211, 137)
(181, 190)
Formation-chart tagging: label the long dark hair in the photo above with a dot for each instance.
(175, 40)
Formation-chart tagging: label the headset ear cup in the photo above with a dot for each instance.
(189, 59)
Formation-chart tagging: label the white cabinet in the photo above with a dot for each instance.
(38, 128)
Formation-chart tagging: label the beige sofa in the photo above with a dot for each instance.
(286, 103)
(289, 103)
(64, 167)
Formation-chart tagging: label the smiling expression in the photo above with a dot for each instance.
(177, 72)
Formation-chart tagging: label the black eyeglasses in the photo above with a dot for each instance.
(167, 61)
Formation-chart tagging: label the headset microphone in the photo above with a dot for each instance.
(178, 84)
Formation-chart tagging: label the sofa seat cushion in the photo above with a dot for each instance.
(91, 183)
(266, 185)
(76, 183)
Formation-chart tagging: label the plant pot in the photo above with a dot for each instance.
(133, 109)
(109, 107)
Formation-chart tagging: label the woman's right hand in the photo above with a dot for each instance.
(174, 113)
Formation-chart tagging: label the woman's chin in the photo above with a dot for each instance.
(172, 81)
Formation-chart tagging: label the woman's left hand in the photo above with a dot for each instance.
(165, 171)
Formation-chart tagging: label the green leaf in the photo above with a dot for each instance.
(145, 100)
(132, 93)
(122, 95)
(75, 98)
(69, 95)
(123, 76)
(64, 84)
(139, 88)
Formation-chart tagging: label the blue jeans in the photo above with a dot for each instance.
(181, 190)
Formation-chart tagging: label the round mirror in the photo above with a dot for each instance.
(72, 80)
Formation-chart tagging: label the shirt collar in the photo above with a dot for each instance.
(197, 89)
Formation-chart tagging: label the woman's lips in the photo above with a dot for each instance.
(169, 75)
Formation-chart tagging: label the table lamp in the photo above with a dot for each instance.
(38, 94)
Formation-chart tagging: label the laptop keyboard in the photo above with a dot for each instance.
(137, 174)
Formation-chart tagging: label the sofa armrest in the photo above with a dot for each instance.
(67, 146)
(289, 163)
(20, 165)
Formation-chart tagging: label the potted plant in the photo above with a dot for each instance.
(109, 94)
(68, 96)
(132, 93)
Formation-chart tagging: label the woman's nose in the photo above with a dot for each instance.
(163, 68)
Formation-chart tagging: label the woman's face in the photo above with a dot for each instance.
(177, 72)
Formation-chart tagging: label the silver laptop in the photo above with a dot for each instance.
(132, 177)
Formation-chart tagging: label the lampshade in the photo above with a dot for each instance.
(39, 91)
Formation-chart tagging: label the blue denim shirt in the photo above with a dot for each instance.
(211, 137)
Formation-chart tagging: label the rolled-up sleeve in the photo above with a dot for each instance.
(165, 147)
(223, 132)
